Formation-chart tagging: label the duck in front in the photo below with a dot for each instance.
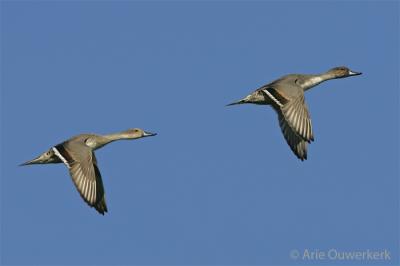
(286, 96)
(77, 154)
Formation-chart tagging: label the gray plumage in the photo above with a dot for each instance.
(286, 96)
(77, 154)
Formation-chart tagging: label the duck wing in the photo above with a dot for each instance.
(85, 174)
(296, 143)
(295, 113)
(294, 119)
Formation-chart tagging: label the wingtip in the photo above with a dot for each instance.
(101, 207)
(302, 158)
(101, 211)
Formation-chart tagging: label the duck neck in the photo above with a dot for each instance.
(117, 136)
(313, 80)
(105, 139)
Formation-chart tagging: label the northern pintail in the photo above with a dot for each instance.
(286, 96)
(77, 154)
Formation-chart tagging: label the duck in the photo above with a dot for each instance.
(77, 153)
(286, 96)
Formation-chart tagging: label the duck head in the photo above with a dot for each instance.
(136, 133)
(342, 72)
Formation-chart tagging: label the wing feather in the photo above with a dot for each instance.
(84, 172)
(294, 120)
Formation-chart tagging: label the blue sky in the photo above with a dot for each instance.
(217, 185)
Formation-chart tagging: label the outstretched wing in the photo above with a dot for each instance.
(296, 143)
(296, 114)
(294, 120)
(85, 174)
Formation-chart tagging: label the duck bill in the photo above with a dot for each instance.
(238, 102)
(148, 134)
(354, 73)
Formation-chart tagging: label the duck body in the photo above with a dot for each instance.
(286, 96)
(77, 153)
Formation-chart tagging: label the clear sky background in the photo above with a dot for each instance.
(218, 185)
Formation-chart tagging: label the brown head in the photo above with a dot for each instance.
(136, 133)
(342, 72)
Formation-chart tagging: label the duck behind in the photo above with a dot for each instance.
(286, 96)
